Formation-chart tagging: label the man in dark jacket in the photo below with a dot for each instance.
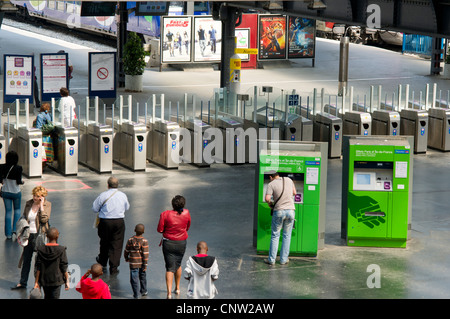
(51, 266)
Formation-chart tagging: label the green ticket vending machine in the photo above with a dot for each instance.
(376, 191)
(306, 164)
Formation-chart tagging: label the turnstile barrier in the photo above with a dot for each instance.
(357, 123)
(414, 122)
(328, 128)
(439, 128)
(385, 122)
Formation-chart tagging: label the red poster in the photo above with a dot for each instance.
(272, 37)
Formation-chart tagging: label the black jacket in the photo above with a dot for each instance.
(51, 261)
(15, 174)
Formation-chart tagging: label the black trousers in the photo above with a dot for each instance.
(111, 233)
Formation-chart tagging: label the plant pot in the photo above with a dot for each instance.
(133, 83)
(446, 71)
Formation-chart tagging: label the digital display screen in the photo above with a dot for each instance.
(363, 179)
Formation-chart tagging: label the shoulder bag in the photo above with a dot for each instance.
(1, 189)
(272, 206)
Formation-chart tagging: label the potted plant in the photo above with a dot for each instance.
(133, 63)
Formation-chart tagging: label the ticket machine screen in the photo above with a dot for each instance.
(373, 176)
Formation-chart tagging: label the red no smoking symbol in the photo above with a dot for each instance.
(102, 73)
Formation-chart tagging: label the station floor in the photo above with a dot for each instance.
(220, 198)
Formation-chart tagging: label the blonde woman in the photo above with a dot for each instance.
(37, 212)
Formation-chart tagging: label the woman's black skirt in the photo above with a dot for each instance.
(173, 251)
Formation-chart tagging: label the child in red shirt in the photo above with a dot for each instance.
(95, 287)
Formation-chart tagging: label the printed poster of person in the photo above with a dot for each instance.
(301, 37)
(208, 39)
(176, 35)
(272, 37)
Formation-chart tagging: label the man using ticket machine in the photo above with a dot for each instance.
(281, 190)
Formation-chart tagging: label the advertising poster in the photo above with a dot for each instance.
(18, 81)
(102, 74)
(272, 37)
(208, 39)
(54, 72)
(176, 39)
(243, 42)
(301, 37)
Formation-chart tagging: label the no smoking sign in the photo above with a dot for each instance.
(102, 73)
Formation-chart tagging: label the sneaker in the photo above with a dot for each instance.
(268, 262)
(144, 294)
(284, 263)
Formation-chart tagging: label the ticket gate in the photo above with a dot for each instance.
(66, 157)
(95, 140)
(233, 140)
(164, 137)
(129, 144)
(199, 140)
(439, 128)
(310, 180)
(414, 122)
(29, 149)
(27, 143)
(328, 128)
(294, 128)
(297, 128)
(385, 122)
(357, 123)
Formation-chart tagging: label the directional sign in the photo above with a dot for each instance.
(245, 51)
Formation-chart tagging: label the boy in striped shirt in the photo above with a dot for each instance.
(136, 253)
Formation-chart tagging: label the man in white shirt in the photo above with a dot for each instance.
(67, 103)
(111, 206)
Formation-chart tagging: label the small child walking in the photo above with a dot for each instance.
(95, 287)
(201, 271)
(136, 254)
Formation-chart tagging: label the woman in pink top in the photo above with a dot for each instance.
(174, 225)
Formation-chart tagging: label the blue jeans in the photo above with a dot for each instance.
(10, 199)
(281, 219)
(138, 277)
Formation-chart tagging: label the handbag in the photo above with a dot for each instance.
(97, 218)
(1, 188)
(272, 206)
(41, 239)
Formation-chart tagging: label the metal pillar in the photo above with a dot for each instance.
(343, 64)
(228, 16)
(121, 40)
